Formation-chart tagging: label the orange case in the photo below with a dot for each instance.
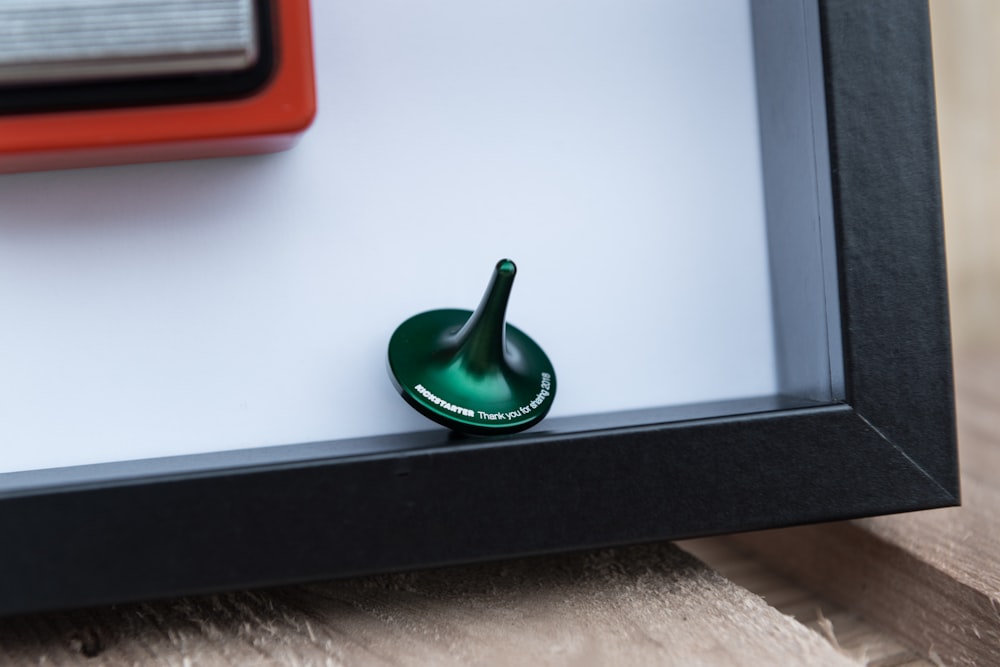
(270, 120)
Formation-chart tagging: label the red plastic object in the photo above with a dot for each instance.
(270, 120)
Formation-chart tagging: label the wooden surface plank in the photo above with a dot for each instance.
(638, 606)
(932, 577)
(845, 629)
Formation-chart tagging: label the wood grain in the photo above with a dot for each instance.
(966, 56)
(637, 606)
(931, 577)
(844, 628)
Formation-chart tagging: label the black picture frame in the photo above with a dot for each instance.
(863, 425)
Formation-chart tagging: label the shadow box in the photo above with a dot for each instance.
(727, 225)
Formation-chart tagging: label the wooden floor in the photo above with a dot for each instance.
(865, 642)
(638, 606)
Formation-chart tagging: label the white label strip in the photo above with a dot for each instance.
(71, 40)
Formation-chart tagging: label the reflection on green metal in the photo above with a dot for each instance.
(471, 371)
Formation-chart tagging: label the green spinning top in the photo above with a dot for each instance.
(471, 371)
